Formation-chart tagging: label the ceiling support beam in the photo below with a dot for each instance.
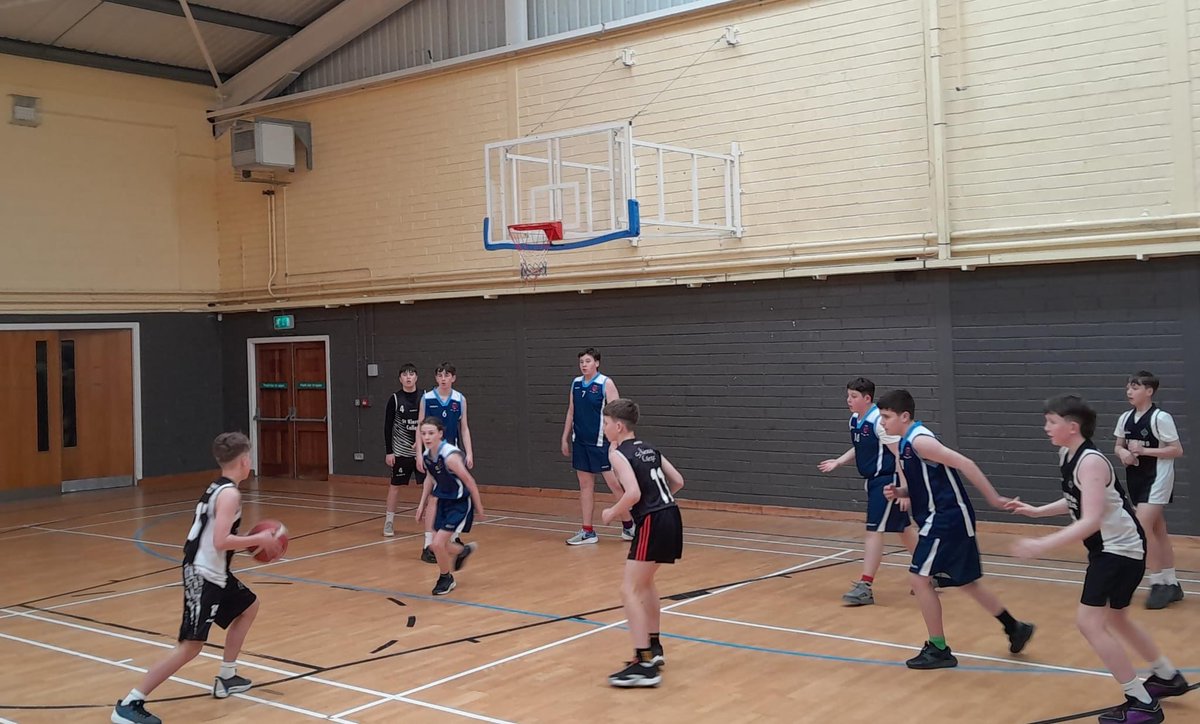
(26, 49)
(341, 24)
(214, 16)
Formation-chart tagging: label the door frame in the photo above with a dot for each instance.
(252, 376)
(136, 337)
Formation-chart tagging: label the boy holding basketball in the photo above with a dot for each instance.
(1104, 521)
(649, 482)
(450, 407)
(451, 492)
(946, 545)
(210, 591)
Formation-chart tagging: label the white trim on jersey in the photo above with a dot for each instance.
(953, 480)
(446, 456)
(927, 564)
(1118, 529)
(466, 516)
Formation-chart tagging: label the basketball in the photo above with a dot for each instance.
(280, 533)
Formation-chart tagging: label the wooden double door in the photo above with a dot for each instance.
(68, 419)
(292, 413)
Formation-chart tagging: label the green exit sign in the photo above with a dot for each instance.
(284, 322)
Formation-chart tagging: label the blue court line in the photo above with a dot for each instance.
(589, 622)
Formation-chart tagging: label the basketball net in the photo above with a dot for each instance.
(533, 242)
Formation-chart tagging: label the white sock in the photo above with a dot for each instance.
(228, 669)
(428, 539)
(134, 695)
(391, 517)
(1169, 576)
(1137, 690)
(1156, 578)
(1163, 669)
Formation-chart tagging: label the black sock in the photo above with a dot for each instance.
(1007, 620)
(642, 655)
(654, 642)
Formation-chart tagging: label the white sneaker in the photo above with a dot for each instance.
(583, 537)
(389, 529)
(628, 533)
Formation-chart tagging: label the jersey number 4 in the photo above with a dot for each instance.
(661, 481)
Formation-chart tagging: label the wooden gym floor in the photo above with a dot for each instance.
(753, 625)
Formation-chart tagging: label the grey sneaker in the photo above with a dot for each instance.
(389, 529)
(461, 559)
(1176, 592)
(1160, 596)
(235, 684)
(133, 713)
(428, 556)
(628, 533)
(583, 537)
(860, 594)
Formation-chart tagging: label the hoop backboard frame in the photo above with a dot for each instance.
(587, 178)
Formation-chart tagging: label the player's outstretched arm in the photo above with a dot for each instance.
(1020, 507)
(1092, 476)
(931, 449)
(828, 466)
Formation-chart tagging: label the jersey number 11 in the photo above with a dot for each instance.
(661, 481)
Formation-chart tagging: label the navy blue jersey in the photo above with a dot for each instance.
(940, 503)
(588, 399)
(446, 484)
(871, 453)
(449, 411)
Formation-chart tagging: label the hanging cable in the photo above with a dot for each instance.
(681, 74)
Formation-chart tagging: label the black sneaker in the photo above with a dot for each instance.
(931, 657)
(428, 556)
(1160, 596)
(1176, 592)
(1134, 712)
(637, 673)
(1020, 636)
(445, 584)
(133, 713)
(1161, 688)
(235, 684)
(461, 559)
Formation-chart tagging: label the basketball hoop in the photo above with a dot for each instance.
(533, 242)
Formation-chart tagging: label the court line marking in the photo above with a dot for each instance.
(513, 657)
(887, 644)
(1038, 578)
(69, 604)
(250, 665)
(766, 539)
(177, 679)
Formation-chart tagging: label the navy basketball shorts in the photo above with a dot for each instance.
(206, 603)
(403, 470)
(883, 515)
(590, 458)
(952, 559)
(455, 515)
(659, 537)
(1111, 580)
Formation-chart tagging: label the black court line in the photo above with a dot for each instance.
(148, 632)
(384, 646)
(412, 621)
(397, 601)
(30, 526)
(1093, 712)
(174, 567)
(473, 638)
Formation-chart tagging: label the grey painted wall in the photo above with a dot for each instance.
(742, 385)
(181, 385)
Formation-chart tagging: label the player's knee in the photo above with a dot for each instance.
(1090, 620)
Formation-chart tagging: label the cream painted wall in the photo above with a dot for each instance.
(110, 202)
(1072, 120)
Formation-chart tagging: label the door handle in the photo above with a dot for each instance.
(272, 419)
(311, 419)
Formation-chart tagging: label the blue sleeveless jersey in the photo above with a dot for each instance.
(588, 397)
(940, 503)
(446, 484)
(449, 411)
(871, 455)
